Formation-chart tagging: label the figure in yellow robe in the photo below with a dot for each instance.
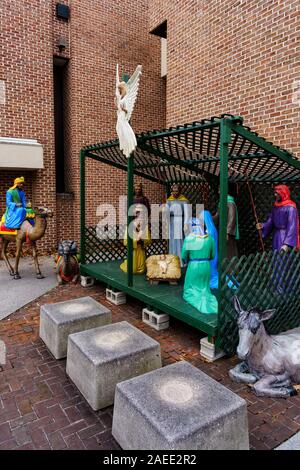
(141, 239)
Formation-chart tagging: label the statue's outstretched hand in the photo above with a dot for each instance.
(284, 248)
(186, 229)
(259, 226)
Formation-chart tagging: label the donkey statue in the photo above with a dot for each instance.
(271, 363)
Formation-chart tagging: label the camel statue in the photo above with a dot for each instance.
(26, 233)
(67, 267)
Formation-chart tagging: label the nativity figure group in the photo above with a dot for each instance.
(194, 240)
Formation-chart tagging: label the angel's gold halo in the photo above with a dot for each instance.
(122, 88)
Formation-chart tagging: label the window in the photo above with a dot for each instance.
(59, 73)
(163, 64)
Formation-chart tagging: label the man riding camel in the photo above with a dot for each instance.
(16, 208)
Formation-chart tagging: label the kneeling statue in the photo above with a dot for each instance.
(67, 266)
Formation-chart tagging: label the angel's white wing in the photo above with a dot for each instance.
(132, 87)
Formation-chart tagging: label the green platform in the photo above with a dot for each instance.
(204, 157)
(163, 297)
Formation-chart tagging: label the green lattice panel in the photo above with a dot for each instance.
(106, 244)
(265, 280)
(103, 244)
(202, 193)
(157, 247)
(263, 200)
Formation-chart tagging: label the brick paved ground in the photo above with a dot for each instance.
(41, 409)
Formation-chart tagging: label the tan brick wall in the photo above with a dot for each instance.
(233, 56)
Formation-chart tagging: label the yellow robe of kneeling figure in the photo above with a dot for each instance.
(139, 253)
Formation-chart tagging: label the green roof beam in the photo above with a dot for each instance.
(267, 146)
(176, 131)
(104, 145)
(206, 160)
(124, 168)
(174, 161)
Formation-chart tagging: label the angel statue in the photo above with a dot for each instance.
(126, 94)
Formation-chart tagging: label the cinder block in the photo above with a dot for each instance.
(100, 358)
(159, 321)
(178, 407)
(60, 319)
(115, 297)
(209, 351)
(87, 281)
(108, 293)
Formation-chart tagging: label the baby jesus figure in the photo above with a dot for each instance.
(163, 264)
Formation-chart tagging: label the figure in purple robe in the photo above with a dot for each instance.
(282, 222)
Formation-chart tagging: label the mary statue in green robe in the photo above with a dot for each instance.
(198, 250)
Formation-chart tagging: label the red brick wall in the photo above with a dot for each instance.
(26, 67)
(233, 56)
(98, 35)
(112, 32)
(239, 57)
(61, 29)
(64, 213)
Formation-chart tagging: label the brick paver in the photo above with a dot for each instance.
(40, 408)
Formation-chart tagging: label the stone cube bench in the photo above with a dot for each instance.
(178, 407)
(100, 358)
(60, 319)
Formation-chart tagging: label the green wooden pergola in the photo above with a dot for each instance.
(214, 152)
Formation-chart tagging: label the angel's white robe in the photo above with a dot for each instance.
(125, 133)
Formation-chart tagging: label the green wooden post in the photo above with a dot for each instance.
(82, 206)
(225, 137)
(130, 165)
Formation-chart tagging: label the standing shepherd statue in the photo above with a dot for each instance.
(126, 94)
(271, 363)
